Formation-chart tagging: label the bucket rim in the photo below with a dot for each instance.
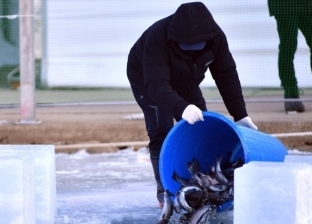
(206, 114)
(236, 128)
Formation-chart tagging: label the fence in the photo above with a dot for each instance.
(84, 44)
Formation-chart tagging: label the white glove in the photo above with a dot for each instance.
(247, 122)
(192, 114)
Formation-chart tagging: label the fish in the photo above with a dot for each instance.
(184, 218)
(231, 191)
(167, 210)
(193, 167)
(198, 177)
(182, 197)
(226, 195)
(213, 168)
(184, 182)
(197, 199)
(214, 197)
(212, 171)
(217, 187)
(219, 175)
(176, 204)
(211, 180)
(200, 195)
(212, 187)
(238, 163)
(230, 182)
(202, 214)
(228, 171)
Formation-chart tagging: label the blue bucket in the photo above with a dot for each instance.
(205, 141)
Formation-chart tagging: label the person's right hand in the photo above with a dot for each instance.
(192, 114)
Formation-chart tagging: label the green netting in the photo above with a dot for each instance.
(9, 40)
(9, 43)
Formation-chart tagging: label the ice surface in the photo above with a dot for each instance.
(119, 188)
(298, 159)
(270, 192)
(17, 190)
(109, 188)
(106, 188)
(45, 183)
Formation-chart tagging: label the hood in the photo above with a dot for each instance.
(192, 22)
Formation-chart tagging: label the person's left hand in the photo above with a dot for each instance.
(247, 122)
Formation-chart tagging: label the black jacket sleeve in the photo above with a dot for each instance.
(223, 71)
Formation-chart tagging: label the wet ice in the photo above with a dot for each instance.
(43, 182)
(111, 188)
(106, 188)
(273, 192)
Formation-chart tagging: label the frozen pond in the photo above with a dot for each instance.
(107, 188)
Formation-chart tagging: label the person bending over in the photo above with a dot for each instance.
(165, 67)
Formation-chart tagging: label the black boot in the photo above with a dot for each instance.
(294, 105)
(160, 189)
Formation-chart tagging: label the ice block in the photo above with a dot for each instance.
(17, 190)
(45, 183)
(273, 192)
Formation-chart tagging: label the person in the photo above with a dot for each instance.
(291, 16)
(165, 67)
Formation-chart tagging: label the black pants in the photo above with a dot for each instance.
(287, 27)
(159, 121)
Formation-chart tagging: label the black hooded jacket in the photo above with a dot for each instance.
(157, 65)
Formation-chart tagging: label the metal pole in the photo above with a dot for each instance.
(44, 57)
(27, 64)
